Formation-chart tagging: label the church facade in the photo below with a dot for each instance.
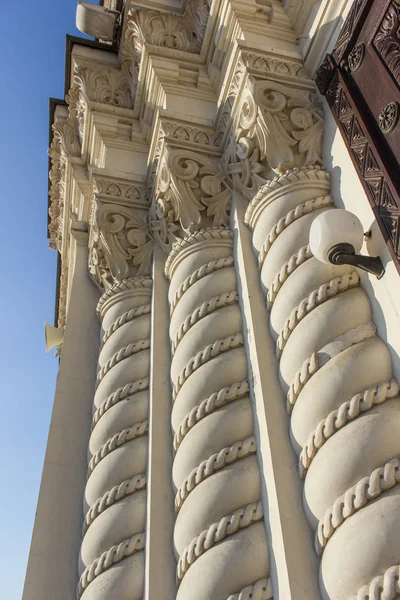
(226, 418)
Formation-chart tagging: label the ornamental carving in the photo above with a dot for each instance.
(191, 192)
(388, 117)
(278, 128)
(183, 133)
(120, 245)
(122, 192)
(356, 57)
(167, 30)
(106, 86)
(56, 192)
(65, 143)
(387, 40)
(66, 131)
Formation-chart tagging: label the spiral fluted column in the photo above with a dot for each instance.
(112, 552)
(219, 533)
(342, 400)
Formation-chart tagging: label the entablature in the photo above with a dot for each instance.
(193, 104)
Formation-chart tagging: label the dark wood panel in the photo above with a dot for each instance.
(361, 82)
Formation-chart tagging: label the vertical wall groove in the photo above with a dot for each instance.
(219, 534)
(343, 403)
(112, 551)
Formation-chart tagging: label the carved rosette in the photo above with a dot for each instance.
(278, 128)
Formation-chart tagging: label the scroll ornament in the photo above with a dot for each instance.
(191, 193)
(278, 128)
(179, 32)
(106, 86)
(65, 143)
(121, 244)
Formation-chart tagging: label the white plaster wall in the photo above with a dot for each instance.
(348, 193)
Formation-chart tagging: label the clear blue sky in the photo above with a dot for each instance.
(33, 51)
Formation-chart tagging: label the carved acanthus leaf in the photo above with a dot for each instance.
(65, 143)
(191, 192)
(278, 128)
(121, 245)
(56, 193)
(77, 106)
(168, 30)
(66, 132)
(106, 86)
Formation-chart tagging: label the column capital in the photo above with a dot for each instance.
(120, 243)
(277, 126)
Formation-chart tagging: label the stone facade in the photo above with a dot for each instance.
(226, 417)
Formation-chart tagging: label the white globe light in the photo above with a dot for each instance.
(335, 226)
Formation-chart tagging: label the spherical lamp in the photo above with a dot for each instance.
(336, 236)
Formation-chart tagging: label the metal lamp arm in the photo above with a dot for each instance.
(344, 254)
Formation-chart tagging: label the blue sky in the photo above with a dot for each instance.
(33, 42)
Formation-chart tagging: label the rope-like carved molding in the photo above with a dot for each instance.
(354, 499)
(287, 269)
(304, 374)
(217, 461)
(121, 393)
(208, 307)
(119, 439)
(126, 488)
(260, 590)
(288, 219)
(207, 269)
(316, 298)
(109, 558)
(203, 235)
(119, 287)
(123, 353)
(360, 403)
(209, 405)
(128, 316)
(382, 587)
(211, 351)
(319, 359)
(288, 178)
(240, 519)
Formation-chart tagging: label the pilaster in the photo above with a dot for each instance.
(52, 568)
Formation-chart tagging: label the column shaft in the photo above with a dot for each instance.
(219, 533)
(112, 553)
(343, 403)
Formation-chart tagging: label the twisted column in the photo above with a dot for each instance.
(112, 551)
(343, 403)
(219, 534)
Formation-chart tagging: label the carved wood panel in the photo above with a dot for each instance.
(361, 82)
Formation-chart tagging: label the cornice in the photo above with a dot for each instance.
(254, 113)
